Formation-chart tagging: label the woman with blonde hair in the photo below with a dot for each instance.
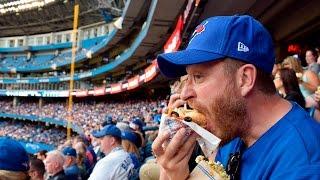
(82, 162)
(308, 80)
(129, 141)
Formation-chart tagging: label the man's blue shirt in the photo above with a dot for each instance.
(290, 149)
(72, 172)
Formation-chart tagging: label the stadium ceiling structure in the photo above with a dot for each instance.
(54, 16)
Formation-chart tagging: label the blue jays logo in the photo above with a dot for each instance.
(199, 29)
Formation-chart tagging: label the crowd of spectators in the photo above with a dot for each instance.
(90, 115)
(32, 133)
(300, 84)
(131, 117)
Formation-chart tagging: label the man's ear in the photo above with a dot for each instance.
(113, 140)
(246, 78)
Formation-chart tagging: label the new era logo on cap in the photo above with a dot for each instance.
(242, 47)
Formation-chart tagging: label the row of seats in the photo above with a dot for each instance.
(48, 61)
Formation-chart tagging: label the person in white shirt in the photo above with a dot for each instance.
(117, 163)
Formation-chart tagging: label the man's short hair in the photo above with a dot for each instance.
(264, 82)
(37, 165)
(43, 153)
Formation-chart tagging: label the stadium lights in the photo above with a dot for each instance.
(118, 23)
(13, 70)
(54, 66)
(89, 54)
(23, 5)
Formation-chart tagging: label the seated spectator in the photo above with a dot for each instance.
(150, 170)
(137, 126)
(117, 163)
(14, 160)
(90, 156)
(37, 169)
(129, 141)
(108, 121)
(96, 148)
(148, 148)
(54, 166)
(123, 126)
(42, 155)
(287, 84)
(308, 80)
(82, 160)
(311, 59)
(157, 116)
(70, 166)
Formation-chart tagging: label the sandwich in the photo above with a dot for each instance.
(190, 115)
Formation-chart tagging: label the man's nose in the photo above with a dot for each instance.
(187, 92)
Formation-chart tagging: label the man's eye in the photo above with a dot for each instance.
(197, 77)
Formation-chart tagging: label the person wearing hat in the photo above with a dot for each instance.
(108, 121)
(117, 163)
(70, 166)
(14, 160)
(137, 126)
(228, 63)
(129, 144)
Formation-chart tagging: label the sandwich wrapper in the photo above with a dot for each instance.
(208, 143)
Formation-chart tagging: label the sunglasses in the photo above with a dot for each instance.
(233, 166)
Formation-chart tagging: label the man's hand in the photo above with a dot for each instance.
(175, 101)
(174, 156)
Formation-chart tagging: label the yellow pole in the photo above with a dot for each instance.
(74, 48)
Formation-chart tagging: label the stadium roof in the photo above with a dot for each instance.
(54, 16)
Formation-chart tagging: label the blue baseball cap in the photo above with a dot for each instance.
(130, 136)
(108, 121)
(69, 151)
(111, 130)
(136, 122)
(13, 156)
(238, 37)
